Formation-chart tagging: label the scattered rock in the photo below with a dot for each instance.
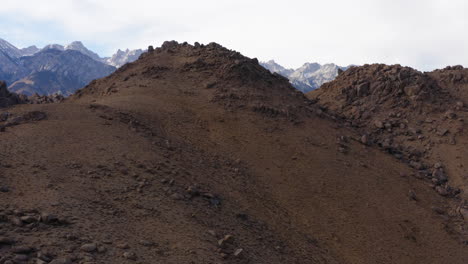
(364, 139)
(21, 258)
(441, 190)
(91, 247)
(438, 210)
(146, 243)
(442, 132)
(22, 250)
(61, 261)
(6, 241)
(464, 213)
(122, 246)
(130, 255)
(238, 252)
(226, 239)
(378, 124)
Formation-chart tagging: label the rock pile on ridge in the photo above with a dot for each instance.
(409, 114)
(8, 98)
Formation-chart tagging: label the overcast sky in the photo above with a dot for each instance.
(425, 34)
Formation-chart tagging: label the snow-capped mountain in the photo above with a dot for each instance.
(53, 71)
(56, 68)
(122, 57)
(78, 46)
(54, 46)
(275, 67)
(308, 77)
(29, 51)
(117, 60)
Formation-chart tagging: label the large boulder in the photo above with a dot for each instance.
(6, 98)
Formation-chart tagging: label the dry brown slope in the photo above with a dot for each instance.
(292, 152)
(117, 160)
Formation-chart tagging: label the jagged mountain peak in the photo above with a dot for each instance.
(122, 57)
(309, 76)
(79, 46)
(54, 46)
(9, 49)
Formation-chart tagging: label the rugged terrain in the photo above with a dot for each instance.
(197, 154)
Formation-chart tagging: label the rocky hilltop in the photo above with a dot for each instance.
(419, 118)
(197, 154)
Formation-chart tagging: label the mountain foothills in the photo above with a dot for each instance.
(56, 68)
(197, 154)
(308, 77)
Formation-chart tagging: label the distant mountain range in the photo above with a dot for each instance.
(63, 69)
(308, 77)
(56, 68)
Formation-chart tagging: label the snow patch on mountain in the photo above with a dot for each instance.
(78, 46)
(120, 58)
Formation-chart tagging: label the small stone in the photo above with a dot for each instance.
(226, 239)
(378, 124)
(45, 256)
(101, 249)
(364, 140)
(146, 243)
(238, 252)
(438, 210)
(412, 195)
(4, 189)
(441, 190)
(6, 241)
(416, 165)
(442, 131)
(122, 246)
(61, 261)
(22, 250)
(439, 176)
(21, 258)
(91, 247)
(130, 255)
(464, 213)
(28, 219)
(16, 221)
(177, 196)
